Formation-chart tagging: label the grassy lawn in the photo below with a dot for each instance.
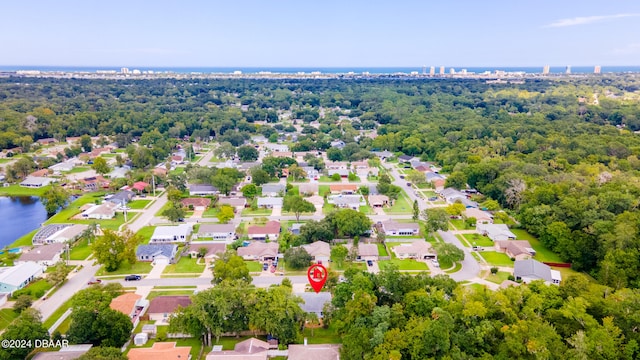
(138, 204)
(145, 233)
(126, 269)
(81, 250)
(356, 180)
(56, 314)
(409, 264)
(79, 169)
(324, 190)
(154, 294)
(327, 179)
(496, 258)
(366, 210)
(25, 240)
(162, 209)
(178, 170)
(477, 287)
(459, 224)
(257, 212)
(322, 336)
(454, 269)
(349, 265)
(463, 240)
(423, 186)
(6, 317)
(65, 215)
(542, 253)
(478, 240)
(382, 251)
(211, 212)
(328, 208)
(254, 266)
(184, 265)
(400, 206)
(17, 190)
(36, 289)
(499, 277)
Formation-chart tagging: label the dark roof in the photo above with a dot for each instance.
(168, 304)
(125, 195)
(202, 187)
(167, 250)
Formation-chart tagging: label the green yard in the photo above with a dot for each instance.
(79, 169)
(356, 180)
(126, 269)
(324, 190)
(138, 204)
(184, 265)
(382, 251)
(145, 233)
(322, 335)
(499, 277)
(80, 250)
(154, 294)
(254, 266)
(25, 240)
(324, 178)
(496, 258)
(366, 210)
(477, 239)
(211, 212)
(459, 224)
(56, 314)
(400, 206)
(17, 190)
(408, 264)
(257, 212)
(328, 208)
(36, 289)
(6, 317)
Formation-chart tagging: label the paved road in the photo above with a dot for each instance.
(261, 281)
(75, 283)
(145, 218)
(402, 183)
(470, 266)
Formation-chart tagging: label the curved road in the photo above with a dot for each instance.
(470, 267)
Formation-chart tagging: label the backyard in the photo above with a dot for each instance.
(497, 258)
(542, 253)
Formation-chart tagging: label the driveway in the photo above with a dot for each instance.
(277, 211)
(156, 271)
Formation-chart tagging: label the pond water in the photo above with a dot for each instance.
(18, 216)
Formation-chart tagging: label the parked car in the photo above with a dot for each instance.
(435, 263)
(265, 266)
(132, 277)
(273, 269)
(433, 198)
(94, 281)
(401, 176)
(369, 263)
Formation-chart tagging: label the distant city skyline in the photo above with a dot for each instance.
(286, 33)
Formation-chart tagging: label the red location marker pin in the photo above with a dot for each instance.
(317, 275)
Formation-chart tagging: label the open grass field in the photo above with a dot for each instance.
(6, 317)
(184, 265)
(409, 264)
(17, 190)
(497, 258)
(126, 269)
(477, 239)
(542, 253)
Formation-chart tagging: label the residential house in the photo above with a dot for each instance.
(378, 201)
(316, 200)
(314, 302)
(362, 169)
(418, 249)
(171, 234)
(162, 307)
(47, 141)
(405, 158)
(58, 233)
(315, 352)
(237, 202)
(430, 176)
(270, 230)
(122, 197)
(333, 165)
(295, 229)
(121, 172)
(393, 228)
(94, 183)
(36, 182)
(199, 204)
(365, 251)
(41, 172)
(246, 166)
(281, 154)
(164, 253)
(250, 349)
(276, 147)
(339, 144)
(261, 251)
(308, 189)
(130, 304)
(273, 190)
(140, 186)
(517, 249)
(312, 173)
(495, 232)
(530, 270)
(202, 189)
(213, 249)
(218, 232)
(320, 251)
(347, 201)
(160, 351)
(69, 352)
(342, 172)
(269, 202)
(46, 255)
(345, 189)
(482, 217)
(452, 196)
(104, 211)
(64, 166)
(383, 155)
(438, 184)
(16, 277)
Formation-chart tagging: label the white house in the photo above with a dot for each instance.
(273, 189)
(171, 234)
(393, 228)
(104, 211)
(482, 217)
(160, 254)
(46, 255)
(347, 201)
(260, 251)
(218, 232)
(419, 249)
(270, 202)
(17, 277)
(36, 182)
(495, 232)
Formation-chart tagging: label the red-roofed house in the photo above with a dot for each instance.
(196, 203)
(343, 189)
(130, 304)
(161, 351)
(140, 186)
(270, 230)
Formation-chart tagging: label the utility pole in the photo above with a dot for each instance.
(153, 183)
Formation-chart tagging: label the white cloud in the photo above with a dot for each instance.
(584, 20)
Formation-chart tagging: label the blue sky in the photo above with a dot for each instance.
(329, 33)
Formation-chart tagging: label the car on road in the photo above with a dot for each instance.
(273, 269)
(132, 278)
(94, 281)
(401, 176)
(408, 184)
(433, 198)
(369, 263)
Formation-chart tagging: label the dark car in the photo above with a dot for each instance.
(401, 176)
(369, 263)
(132, 277)
(265, 266)
(433, 198)
(94, 281)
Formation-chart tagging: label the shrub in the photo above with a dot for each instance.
(494, 270)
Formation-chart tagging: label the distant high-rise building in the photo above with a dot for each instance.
(568, 69)
(597, 69)
(432, 70)
(545, 70)
(424, 69)
(441, 70)
(452, 71)
(124, 70)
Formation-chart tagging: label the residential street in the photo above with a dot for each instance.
(145, 218)
(470, 267)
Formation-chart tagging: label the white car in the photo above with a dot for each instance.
(435, 263)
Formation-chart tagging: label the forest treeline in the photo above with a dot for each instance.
(559, 155)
